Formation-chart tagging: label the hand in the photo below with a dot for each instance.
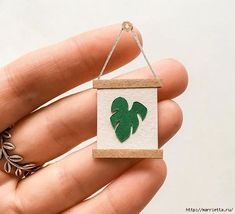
(49, 132)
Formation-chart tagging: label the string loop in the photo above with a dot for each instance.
(128, 27)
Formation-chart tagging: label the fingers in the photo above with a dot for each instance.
(64, 124)
(75, 178)
(173, 76)
(37, 77)
(129, 193)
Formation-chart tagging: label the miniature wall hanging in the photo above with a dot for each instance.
(127, 119)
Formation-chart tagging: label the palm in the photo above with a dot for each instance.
(45, 134)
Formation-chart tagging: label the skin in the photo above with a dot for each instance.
(44, 134)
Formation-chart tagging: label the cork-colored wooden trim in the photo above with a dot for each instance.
(128, 153)
(127, 83)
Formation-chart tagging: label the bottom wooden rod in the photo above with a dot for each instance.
(128, 153)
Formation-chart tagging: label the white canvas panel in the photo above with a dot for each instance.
(146, 135)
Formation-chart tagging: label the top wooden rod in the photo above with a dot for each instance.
(127, 83)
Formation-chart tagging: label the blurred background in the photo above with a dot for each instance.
(200, 34)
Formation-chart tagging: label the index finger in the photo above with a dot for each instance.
(36, 78)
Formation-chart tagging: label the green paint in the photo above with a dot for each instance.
(124, 120)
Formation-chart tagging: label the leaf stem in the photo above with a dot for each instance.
(5, 154)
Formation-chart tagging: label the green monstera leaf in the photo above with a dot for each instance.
(125, 121)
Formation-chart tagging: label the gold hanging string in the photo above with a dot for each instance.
(110, 53)
(128, 27)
